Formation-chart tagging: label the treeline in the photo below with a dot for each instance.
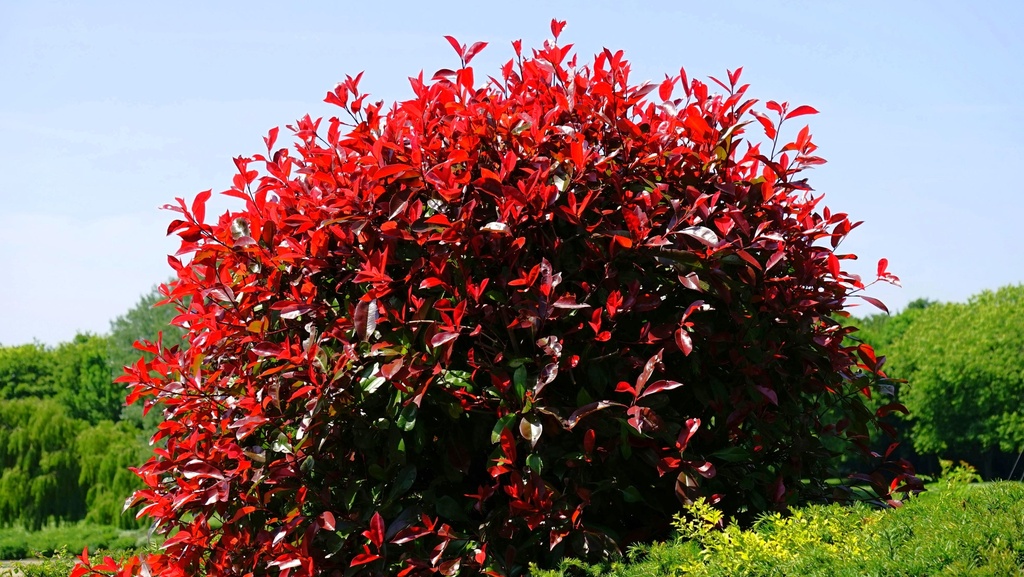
(66, 438)
(963, 367)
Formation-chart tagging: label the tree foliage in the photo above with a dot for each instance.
(81, 371)
(106, 453)
(964, 367)
(65, 448)
(499, 324)
(37, 457)
(26, 371)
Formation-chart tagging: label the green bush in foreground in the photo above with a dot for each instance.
(18, 543)
(954, 529)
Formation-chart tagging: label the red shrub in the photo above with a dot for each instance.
(502, 324)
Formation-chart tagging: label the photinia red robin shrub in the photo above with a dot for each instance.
(502, 324)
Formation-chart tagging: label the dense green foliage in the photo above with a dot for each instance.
(953, 529)
(18, 543)
(39, 464)
(66, 439)
(964, 366)
(962, 372)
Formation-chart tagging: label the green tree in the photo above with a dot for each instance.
(964, 364)
(82, 377)
(881, 330)
(40, 468)
(105, 452)
(26, 371)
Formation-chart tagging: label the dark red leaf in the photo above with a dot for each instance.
(687, 433)
(661, 386)
(875, 302)
(588, 409)
(365, 318)
(683, 341)
(442, 338)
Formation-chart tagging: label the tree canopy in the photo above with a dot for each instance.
(964, 366)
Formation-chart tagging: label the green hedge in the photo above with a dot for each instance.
(954, 529)
(17, 543)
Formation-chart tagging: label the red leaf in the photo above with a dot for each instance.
(271, 138)
(625, 242)
(769, 394)
(474, 50)
(894, 406)
(833, 266)
(588, 409)
(875, 302)
(774, 259)
(649, 367)
(624, 387)
(363, 559)
(244, 427)
(800, 111)
(569, 302)
(410, 534)
(705, 469)
(703, 234)
(660, 386)
(665, 90)
(391, 170)
(442, 338)
(883, 265)
(431, 282)
(734, 75)
(266, 349)
(326, 520)
(556, 27)
(376, 531)
(687, 433)
(455, 44)
(684, 342)
(690, 281)
(199, 205)
(365, 318)
(443, 74)
(694, 307)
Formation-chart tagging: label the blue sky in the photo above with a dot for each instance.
(111, 109)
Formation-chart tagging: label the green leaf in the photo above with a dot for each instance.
(535, 463)
(407, 418)
(502, 424)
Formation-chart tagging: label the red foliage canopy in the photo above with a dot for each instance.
(500, 324)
